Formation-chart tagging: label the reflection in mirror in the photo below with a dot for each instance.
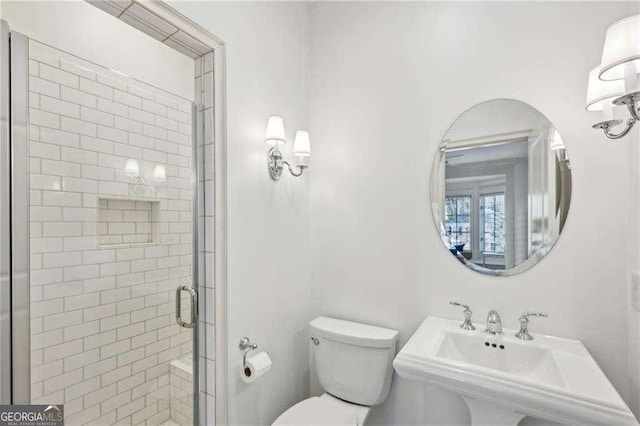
(501, 187)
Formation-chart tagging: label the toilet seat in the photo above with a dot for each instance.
(325, 410)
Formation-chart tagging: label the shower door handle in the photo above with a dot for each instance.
(193, 297)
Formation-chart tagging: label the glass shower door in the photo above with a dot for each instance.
(112, 207)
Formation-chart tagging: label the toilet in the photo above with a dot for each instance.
(354, 366)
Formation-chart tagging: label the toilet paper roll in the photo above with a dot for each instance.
(257, 365)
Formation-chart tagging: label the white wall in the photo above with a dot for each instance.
(387, 80)
(633, 144)
(83, 30)
(268, 265)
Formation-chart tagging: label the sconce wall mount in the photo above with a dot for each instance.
(632, 102)
(276, 163)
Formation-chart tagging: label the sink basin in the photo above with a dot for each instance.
(524, 360)
(503, 378)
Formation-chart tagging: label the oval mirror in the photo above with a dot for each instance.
(501, 187)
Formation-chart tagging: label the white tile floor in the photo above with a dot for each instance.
(170, 423)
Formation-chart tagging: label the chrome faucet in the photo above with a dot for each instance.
(467, 324)
(494, 323)
(524, 324)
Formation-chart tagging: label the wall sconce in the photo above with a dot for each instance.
(132, 169)
(620, 61)
(275, 138)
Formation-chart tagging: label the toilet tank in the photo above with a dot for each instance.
(353, 361)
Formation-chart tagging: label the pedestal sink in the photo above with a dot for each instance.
(503, 379)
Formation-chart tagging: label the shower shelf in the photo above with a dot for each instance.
(128, 222)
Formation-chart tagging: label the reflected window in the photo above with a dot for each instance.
(458, 220)
(492, 237)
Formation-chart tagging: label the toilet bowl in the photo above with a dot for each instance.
(354, 366)
(325, 410)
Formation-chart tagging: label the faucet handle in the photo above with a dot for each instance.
(526, 315)
(467, 324)
(524, 324)
(454, 303)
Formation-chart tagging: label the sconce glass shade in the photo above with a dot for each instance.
(132, 169)
(159, 173)
(556, 142)
(621, 46)
(302, 145)
(599, 92)
(275, 131)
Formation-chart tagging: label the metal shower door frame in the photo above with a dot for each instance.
(20, 221)
(5, 218)
(15, 374)
(15, 344)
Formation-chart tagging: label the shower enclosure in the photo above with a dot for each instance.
(106, 240)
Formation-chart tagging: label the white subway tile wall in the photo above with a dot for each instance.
(103, 330)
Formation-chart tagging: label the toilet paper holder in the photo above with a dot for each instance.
(246, 346)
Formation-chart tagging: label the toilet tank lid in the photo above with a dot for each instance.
(353, 333)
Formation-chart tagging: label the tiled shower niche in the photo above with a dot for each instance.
(128, 222)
